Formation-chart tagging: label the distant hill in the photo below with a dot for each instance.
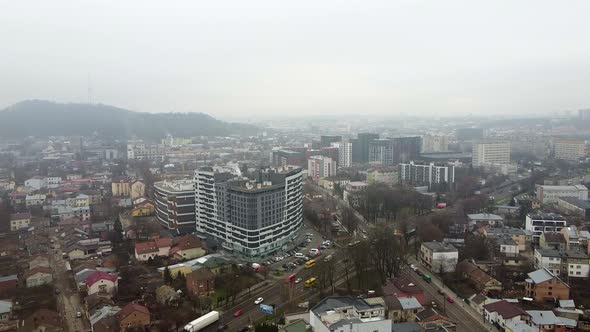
(44, 118)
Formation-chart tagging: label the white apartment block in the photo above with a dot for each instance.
(571, 149)
(139, 150)
(544, 222)
(344, 154)
(491, 153)
(551, 194)
(439, 257)
(427, 174)
(570, 263)
(319, 167)
(435, 143)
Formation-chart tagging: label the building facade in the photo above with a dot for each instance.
(435, 143)
(570, 149)
(344, 154)
(439, 257)
(550, 194)
(319, 167)
(544, 222)
(490, 153)
(360, 147)
(427, 175)
(175, 205)
(252, 218)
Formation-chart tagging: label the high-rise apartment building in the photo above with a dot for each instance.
(381, 151)
(435, 143)
(406, 149)
(175, 205)
(344, 154)
(284, 157)
(571, 149)
(490, 153)
(319, 167)
(360, 147)
(250, 217)
(427, 175)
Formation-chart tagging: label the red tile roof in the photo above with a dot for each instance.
(130, 308)
(163, 242)
(186, 242)
(146, 247)
(99, 275)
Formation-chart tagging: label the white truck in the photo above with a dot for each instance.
(202, 322)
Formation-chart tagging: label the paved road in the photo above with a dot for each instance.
(466, 318)
(68, 300)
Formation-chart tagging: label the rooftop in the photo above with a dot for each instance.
(439, 247)
(545, 216)
(177, 186)
(505, 309)
(335, 302)
(577, 202)
(561, 253)
(543, 317)
(485, 216)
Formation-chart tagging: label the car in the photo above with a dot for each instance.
(308, 240)
(298, 280)
(259, 300)
(433, 304)
(78, 314)
(57, 291)
(419, 273)
(238, 313)
(413, 267)
(323, 246)
(441, 292)
(244, 329)
(298, 255)
(309, 234)
(450, 299)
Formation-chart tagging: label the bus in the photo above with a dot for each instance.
(427, 277)
(309, 282)
(290, 279)
(309, 264)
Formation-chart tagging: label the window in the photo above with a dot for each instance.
(549, 293)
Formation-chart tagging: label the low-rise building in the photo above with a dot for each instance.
(336, 313)
(542, 285)
(35, 200)
(575, 206)
(38, 276)
(482, 281)
(518, 235)
(565, 263)
(503, 312)
(187, 247)
(200, 282)
(544, 222)
(5, 310)
(20, 220)
(133, 316)
(551, 194)
(146, 250)
(545, 320)
(439, 257)
(481, 219)
(8, 283)
(575, 239)
(101, 282)
(552, 240)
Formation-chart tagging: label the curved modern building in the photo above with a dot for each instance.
(175, 205)
(250, 217)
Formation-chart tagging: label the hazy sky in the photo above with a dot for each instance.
(252, 58)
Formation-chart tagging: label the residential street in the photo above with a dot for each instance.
(68, 300)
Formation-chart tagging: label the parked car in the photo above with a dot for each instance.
(259, 300)
(238, 313)
(298, 280)
(78, 314)
(298, 255)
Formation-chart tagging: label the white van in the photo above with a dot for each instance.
(298, 255)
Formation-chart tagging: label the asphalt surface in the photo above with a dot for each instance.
(466, 318)
(68, 300)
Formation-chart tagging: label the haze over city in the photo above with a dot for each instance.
(242, 60)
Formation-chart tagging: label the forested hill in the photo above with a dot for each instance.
(44, 118)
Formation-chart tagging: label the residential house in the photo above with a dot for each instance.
(356, 314)
(403, 287)
(121, 187)
(438, 256)
(5, 310)
(545, 320)
(430, 319)
(518, 235)
(187, 247)
(482, 281)
(480, 219)
(570, 263)
(38, 276)
(20, 220)
(42, 320)
(95, 302)
(502, 312)
(505, 246)
(552, 240)
(34, 200)
(137, 190)
(403, 309)
(575, 239)
(143, 209)
(542, 285)
(38, 261)
(146, 250)
(164, 244)
(101, 282)
(104, 319)
(200, 282)
(8, 283)
(133, 316)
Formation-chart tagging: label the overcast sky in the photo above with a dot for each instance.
(252, 58)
